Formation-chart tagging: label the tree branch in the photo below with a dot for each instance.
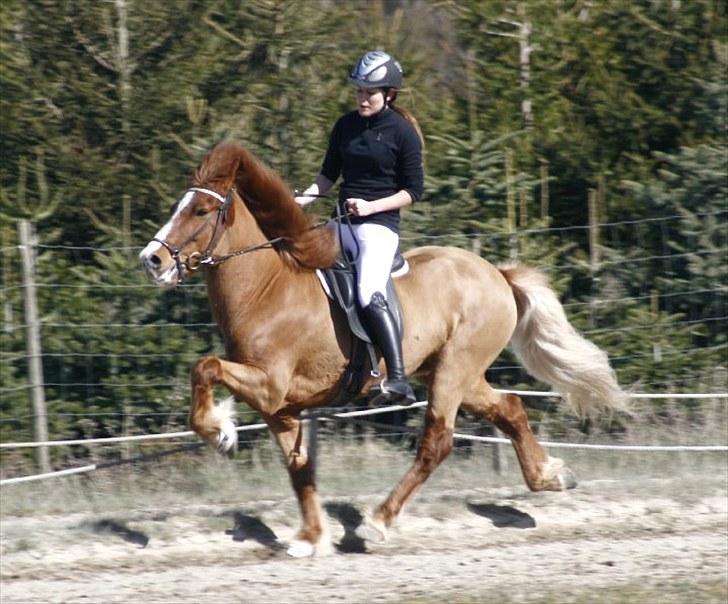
(96, 54)
(501, 34)
(515, 24)
(224, 32)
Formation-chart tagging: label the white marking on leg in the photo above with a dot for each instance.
(372, 530)
(324, 547)
(222, 418)
(300, 549)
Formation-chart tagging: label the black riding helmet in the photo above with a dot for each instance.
(376, 69)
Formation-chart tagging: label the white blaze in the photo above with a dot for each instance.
(154, 246)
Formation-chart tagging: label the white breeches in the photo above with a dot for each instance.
(374, 255)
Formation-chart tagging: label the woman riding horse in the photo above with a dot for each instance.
(378, 151)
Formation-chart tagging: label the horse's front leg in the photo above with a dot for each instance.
(313, 537)
(214, 423)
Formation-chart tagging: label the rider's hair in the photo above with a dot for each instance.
(391, 95)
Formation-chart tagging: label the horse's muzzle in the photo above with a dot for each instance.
(159, 266)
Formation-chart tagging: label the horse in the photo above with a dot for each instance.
(286, 345)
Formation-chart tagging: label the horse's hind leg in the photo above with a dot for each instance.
(434, 447)
(506, 411)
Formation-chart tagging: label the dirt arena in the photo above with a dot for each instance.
(628, 540)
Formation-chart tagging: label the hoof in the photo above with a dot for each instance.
(300, 549)
(227, 438)
(372, 530)
(556, 476)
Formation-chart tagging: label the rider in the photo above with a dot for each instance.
(377, 150)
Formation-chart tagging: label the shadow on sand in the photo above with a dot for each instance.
(114, 527)
(503, 516)
(350, 518)
(249, 527)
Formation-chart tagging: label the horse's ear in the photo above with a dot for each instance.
(228, 207)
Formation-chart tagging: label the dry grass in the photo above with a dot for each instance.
(349, 466)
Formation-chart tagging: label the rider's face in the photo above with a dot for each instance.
(369, 101)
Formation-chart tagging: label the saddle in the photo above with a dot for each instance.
(339, 283)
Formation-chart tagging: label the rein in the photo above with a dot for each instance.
(197, 259)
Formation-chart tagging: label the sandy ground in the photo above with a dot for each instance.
(606, 541)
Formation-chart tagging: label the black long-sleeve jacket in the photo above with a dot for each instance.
(376, 157)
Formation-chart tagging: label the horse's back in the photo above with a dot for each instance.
(458, 270)
(451, 293)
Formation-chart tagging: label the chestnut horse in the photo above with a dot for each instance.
(286, 347)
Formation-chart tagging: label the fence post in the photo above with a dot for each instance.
(594, 257)
(499, 459)
(593, 201)
(313, 424)
(544, 189)
(511, 207)
(28, 245)
(475, 245)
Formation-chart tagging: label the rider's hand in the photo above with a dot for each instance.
(360, 207)
(303, 200)
(309, 195)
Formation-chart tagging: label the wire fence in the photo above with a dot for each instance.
(93, 359)
(314, 416)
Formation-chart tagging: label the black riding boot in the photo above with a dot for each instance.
(383, 331)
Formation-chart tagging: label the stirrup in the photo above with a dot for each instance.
(392, 392)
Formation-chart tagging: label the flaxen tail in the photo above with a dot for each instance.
(553, 351)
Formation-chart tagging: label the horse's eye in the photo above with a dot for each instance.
(201, 212)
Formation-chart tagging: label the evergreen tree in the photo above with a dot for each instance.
(525, 105)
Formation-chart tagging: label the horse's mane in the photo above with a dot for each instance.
(271, 203)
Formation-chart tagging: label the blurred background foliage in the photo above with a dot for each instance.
(529, 108)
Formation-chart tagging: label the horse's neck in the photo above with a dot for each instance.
(249, 291)
(248, 296)
(240, 283)
(237, 281)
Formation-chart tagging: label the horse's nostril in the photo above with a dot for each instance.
(154, 261)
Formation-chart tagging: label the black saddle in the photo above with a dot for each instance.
(341, 281)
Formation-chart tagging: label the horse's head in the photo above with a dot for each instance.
(202, 221)
(188, 239)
